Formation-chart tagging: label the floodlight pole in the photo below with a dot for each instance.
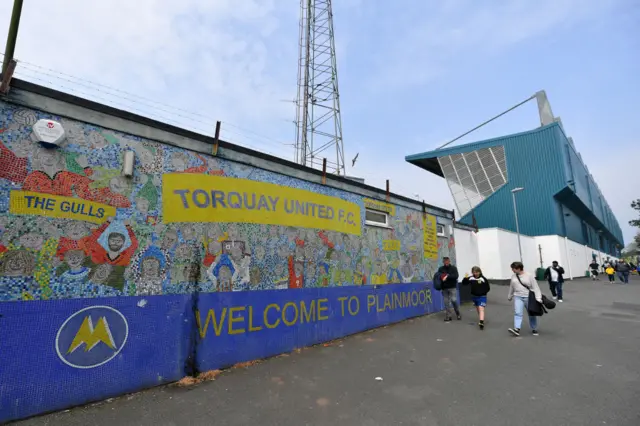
(12, 36)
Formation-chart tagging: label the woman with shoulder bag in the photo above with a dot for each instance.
(522, 283)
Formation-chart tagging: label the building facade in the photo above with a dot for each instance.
(203, 255)
(559, 197)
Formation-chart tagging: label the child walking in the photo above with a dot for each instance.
(611, 273)
(479, 289)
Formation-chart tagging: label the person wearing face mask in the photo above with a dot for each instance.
(479, 289)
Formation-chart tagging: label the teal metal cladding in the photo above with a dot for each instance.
(560, 196)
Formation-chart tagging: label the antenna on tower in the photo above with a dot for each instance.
(318, 122)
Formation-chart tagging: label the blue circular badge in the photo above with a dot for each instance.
(92, 337)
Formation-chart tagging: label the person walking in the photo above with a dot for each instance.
(611, 273)
(623, 269)
(479, 289)
(521, 283)
(555, 276)
(594, 270)
(449, 277)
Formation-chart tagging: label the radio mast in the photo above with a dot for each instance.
(318, 122)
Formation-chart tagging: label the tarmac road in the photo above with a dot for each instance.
(582, 370)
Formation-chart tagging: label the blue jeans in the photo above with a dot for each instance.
(624, 277)
(450, 296)
(556, 289)
(519, 305)
(559, 289)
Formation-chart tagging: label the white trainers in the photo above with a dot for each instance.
(555, 298)
(560, 300)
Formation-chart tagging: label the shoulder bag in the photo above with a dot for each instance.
(535, 308)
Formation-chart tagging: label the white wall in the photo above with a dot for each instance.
(510, 253)
(578, 259)
(573, 257)
(466, 250)
(494, 249)
(552, 248)
(489, 252)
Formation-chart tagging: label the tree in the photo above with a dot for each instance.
(636, 206)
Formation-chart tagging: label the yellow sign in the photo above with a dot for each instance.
(380, 206)
(391, 245)
(429, 228)
(36, 203)
(205, 198)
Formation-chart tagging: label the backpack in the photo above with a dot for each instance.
(437, 282)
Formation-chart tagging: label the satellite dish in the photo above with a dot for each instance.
(48, 132)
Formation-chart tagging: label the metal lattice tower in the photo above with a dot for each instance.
(318, 122)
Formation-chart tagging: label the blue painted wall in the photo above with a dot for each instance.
(155, 338)
(545, 163)
(573, 225)
(540, 175)
(586, 195)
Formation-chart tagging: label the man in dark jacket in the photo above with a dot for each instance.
(554, 275)
(594, 270)
(449, 276)
(623, 269)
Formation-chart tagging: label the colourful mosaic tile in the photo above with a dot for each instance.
(133, 252)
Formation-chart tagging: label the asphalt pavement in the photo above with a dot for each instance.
(582, 370)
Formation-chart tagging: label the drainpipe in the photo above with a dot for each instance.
(566, 251)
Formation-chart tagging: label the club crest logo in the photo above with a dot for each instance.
(92, 337)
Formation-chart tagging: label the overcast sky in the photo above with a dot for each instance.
(412, 74)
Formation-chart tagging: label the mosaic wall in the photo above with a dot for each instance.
(133, 252)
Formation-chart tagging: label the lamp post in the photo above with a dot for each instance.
(515, 213)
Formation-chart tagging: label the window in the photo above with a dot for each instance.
(440, 230)
(376, 218)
